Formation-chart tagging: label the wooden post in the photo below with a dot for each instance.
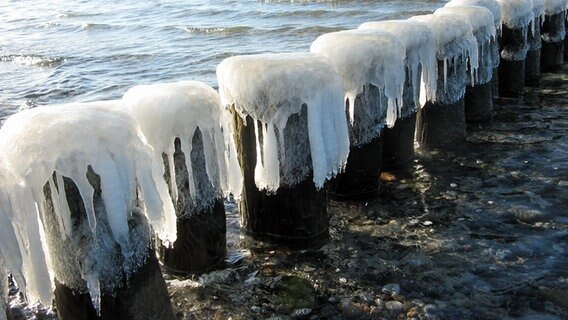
(478, 102)
(291, 137)
(478, 98)
(512, 65)
(128, 290)
(553, 34)
(294, 217)
(442, 123)
(188, 148)
(398, 141)
(201, 241)
(360, 179)
(532, 62)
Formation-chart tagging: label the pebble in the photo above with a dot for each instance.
(351, 310)
(394, 307)
(453, 185)
(417, 302)
(429, 309)
(391, 288)
(301, 313)
(17, 313)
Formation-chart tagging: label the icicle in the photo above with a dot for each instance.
(445, 73)
(65, 212)
(354, 56)
(211, 163)
(270, 157)
(172, 170)
(254, 85)
(186, 148)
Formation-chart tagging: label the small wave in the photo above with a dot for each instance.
(71, 14)
(91, 26)
(317, 30)
(306, 13)
(33, 61)
(218, 30)
(49, 25)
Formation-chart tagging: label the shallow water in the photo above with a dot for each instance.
(476, 232)
(61, 51)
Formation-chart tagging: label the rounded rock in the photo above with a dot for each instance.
(391, 288)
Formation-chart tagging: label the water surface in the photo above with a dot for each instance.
(65, 51)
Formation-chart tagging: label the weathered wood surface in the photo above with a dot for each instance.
(478, 102)
(201, 226)
(140, 294)
(532, 62)
(398, 141)
(552, 54)
(442, 123)
(294, 217)
(360, 179)
(512, 72)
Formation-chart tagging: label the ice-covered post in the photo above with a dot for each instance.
(181, 121)
(516, 16)
(371, 64)
(291, 136)
(532, 62)
(495, 8)
(479, 93)
(74, 210)
(419, 65)
(553, 35)
(442, 119)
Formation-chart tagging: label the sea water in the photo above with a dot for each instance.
(76, 51)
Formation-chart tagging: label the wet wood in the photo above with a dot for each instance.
(532, 62)
(142, 294)
(201, 230)
(360, 179)
(398, 141)
(398, 145)
(478, 102)
(552, 53)
(294, 217)
(512, 73)
(442, 123)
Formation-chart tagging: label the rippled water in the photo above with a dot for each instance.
(63, 51)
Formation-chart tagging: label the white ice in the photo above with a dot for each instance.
(534, 38)
(66, 139)
(167, 111)
(272, 87)
(539, 8)
(516, 14)
(365, 57)
(554, 6)
(482, 22)
(491, 5)
(420, 47)
(454, 40)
